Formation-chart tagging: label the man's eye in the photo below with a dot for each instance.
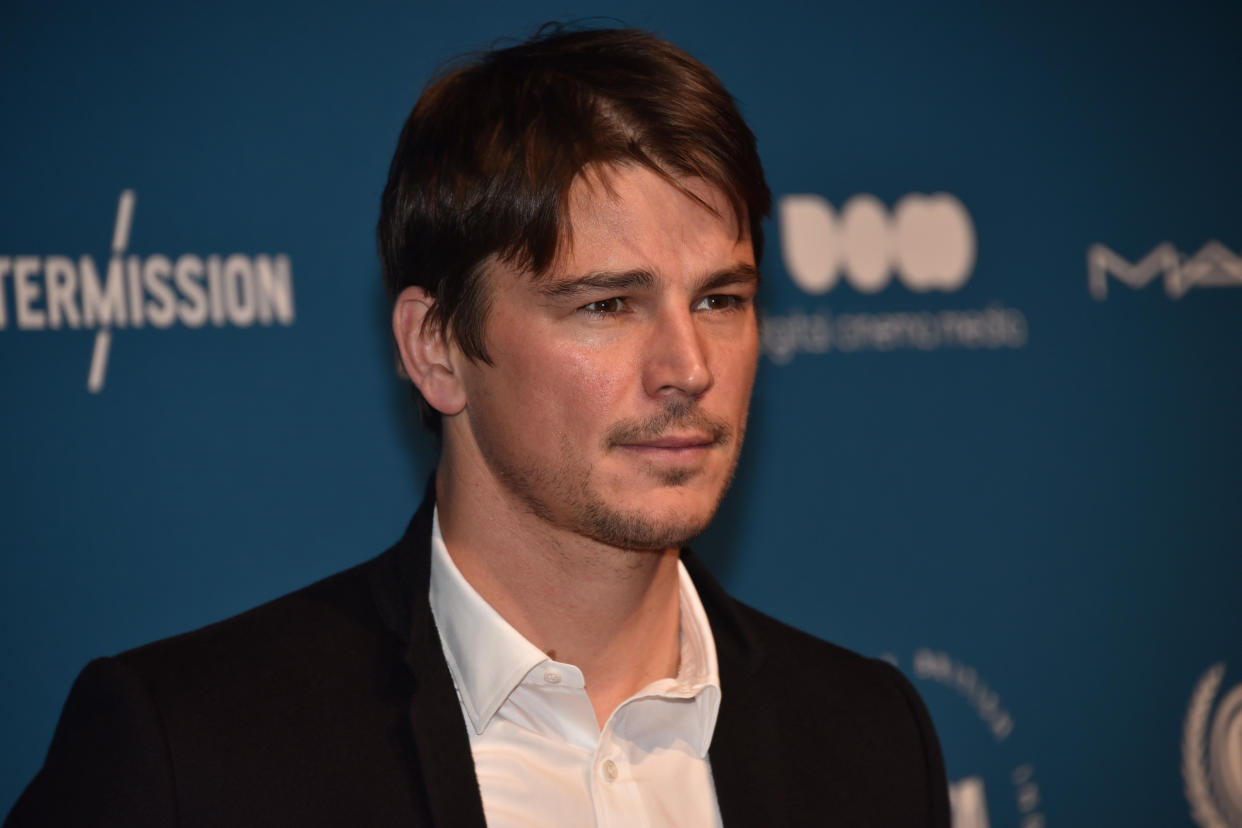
(605, 306)
(719, 301)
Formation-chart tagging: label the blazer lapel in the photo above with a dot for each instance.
(445, 768)
(746, 751)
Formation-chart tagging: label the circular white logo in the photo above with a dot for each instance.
(928, 241)
(968, 796)
(1212, 753)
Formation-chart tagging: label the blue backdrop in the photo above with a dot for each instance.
(995, 431)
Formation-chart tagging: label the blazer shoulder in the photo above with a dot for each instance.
(832, 673)
(786, 644)
(860, 715)
(264, 682)
(319, 618)
(243, 722)
(109, 762)
(334, 621)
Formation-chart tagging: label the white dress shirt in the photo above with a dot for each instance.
(539, 754)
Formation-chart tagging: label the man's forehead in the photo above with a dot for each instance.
(603, 190)
(612, 205)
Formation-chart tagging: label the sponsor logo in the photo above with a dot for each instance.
(968, 796)
(1214, 265)
(927, 243)
(1212, 752)
(822, 331)
(59, 292)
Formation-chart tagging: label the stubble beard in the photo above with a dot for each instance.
(564, 495)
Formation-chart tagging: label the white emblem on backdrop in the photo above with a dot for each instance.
(1212, 753)
(54, 292)
(927, 241)
(968, 796)
(968, 803)
(1214, 265)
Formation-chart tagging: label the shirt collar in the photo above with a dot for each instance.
(488, 658)
(698, 674)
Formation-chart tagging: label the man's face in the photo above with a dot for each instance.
(616, 400)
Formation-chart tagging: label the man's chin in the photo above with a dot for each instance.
(641, 534)
(654, 525)
(664, 508)
(675, 476)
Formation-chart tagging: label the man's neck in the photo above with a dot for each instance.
(612, 613)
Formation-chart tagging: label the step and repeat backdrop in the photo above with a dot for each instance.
(996, 430)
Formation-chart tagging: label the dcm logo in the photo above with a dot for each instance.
(54, 292)
(928, 241)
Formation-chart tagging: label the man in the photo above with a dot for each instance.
(570, 231)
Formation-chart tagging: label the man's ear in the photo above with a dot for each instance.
(426, 353)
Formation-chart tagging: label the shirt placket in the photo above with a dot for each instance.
(614, 793)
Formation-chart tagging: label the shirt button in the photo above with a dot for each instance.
(610, 770)
(552, 677)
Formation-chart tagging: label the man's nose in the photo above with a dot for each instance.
(675, 359)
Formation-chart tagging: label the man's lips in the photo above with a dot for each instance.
(673, 443)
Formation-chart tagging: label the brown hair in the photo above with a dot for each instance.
(486, 160)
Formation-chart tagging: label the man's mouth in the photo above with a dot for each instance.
(680, 431)
(674, 442)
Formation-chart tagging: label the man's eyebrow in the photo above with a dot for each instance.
(741, 274)
(629, 280)
(607, 280)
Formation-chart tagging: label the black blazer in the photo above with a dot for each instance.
(334, 706)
